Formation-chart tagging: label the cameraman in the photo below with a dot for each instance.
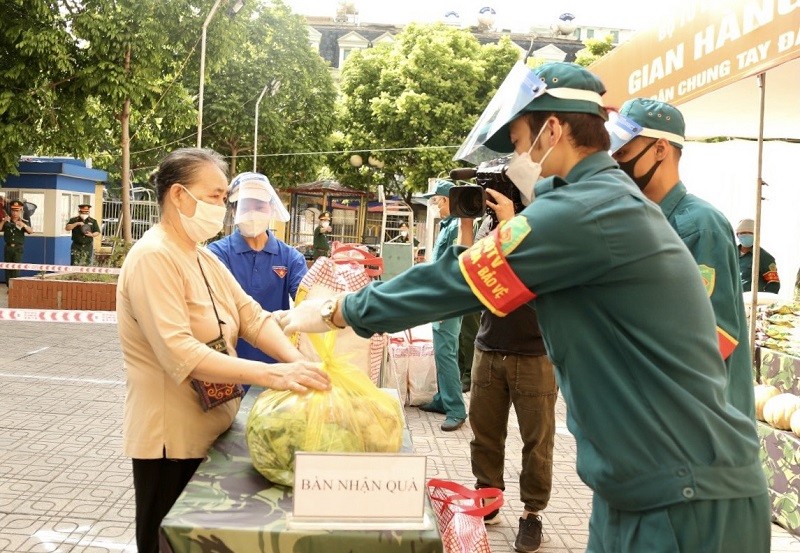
(511, 367)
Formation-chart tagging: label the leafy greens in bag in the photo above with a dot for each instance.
(353, 416)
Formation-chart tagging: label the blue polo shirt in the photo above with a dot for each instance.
(270, 276)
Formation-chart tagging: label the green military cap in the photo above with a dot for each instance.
(442, 189)
(658, 119)
(570, 89)
(16, 204)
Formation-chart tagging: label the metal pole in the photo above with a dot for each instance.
(203, 73)
(761, 79)
(255, 134)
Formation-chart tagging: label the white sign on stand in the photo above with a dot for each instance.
(359, 491)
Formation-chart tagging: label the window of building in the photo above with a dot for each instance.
(69, 207)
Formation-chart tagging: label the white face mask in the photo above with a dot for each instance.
(404, 233)
(253, 228)
(434, 210)
(524, 172)
(206, 222)
(83, 216)
(325, 224)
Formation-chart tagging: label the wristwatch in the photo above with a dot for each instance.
(327, 310)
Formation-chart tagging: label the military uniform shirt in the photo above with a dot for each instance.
(628, 326)
(79, 239)
(709, 237)
(321, 244)
(448, 234)
(14, 235)
(269, 276)
(768, 280)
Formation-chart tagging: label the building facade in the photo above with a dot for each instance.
(335, 41)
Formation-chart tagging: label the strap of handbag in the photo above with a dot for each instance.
(348, 254)
(462, 492)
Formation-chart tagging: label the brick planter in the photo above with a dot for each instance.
(49, 293)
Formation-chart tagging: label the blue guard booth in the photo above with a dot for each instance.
(52, 188)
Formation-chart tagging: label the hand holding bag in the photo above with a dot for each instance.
(459, 515)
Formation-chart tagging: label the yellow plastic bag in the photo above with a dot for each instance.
(353, 416)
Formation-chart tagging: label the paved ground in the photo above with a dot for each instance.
(65, 487)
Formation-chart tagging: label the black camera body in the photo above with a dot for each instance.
(470, 200)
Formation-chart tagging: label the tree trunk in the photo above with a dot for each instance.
(232, 168)
(126, 161)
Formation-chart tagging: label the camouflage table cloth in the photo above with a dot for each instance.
(229, 507)
(780, 450)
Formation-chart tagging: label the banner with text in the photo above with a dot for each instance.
(702, 46)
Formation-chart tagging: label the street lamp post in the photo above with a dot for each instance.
(234, 10)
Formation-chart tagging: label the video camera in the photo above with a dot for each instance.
(470, 200)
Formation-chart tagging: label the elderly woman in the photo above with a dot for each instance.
(179, 309)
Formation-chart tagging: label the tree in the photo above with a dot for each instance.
(411, 103)
(37, 64)
(297, 111)
(132, 53)
(595, 49)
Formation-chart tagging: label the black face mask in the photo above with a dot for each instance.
(627, 167)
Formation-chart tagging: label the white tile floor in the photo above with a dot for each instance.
(65, 486)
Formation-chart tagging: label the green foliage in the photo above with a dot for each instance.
(66, 79)
(37, 65)
(296, 114)
(595, 49)
(423, 91)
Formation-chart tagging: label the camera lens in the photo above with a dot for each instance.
(467, 201)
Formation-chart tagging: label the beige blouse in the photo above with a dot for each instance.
(165, 318)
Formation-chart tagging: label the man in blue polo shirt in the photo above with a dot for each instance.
(626, 321)
(266, 268)
(651, 159)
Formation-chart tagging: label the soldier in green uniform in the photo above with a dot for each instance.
(84, 230)
(626, 321)
(321, 245)
(651, 159)
(448, 400)
(768, 280)
(14, 230)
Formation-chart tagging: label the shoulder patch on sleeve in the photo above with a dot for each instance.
(709, 275)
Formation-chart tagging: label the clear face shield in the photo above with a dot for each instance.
(519, 89)
(621, 130)
(257, 204)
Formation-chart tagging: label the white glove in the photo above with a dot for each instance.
(303, 317)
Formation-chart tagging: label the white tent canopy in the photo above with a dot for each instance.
(734, 109)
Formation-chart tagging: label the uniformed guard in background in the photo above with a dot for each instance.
(626, 320)
(768, 279)
(14, 230)
(84, 229)
(651, 159)
(322, 246)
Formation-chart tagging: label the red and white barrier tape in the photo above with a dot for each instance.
(58, 316)
(59, 268)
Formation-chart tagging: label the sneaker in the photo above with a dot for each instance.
(529, 537)
(431, 408)
(450, 424)
(492, 518)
